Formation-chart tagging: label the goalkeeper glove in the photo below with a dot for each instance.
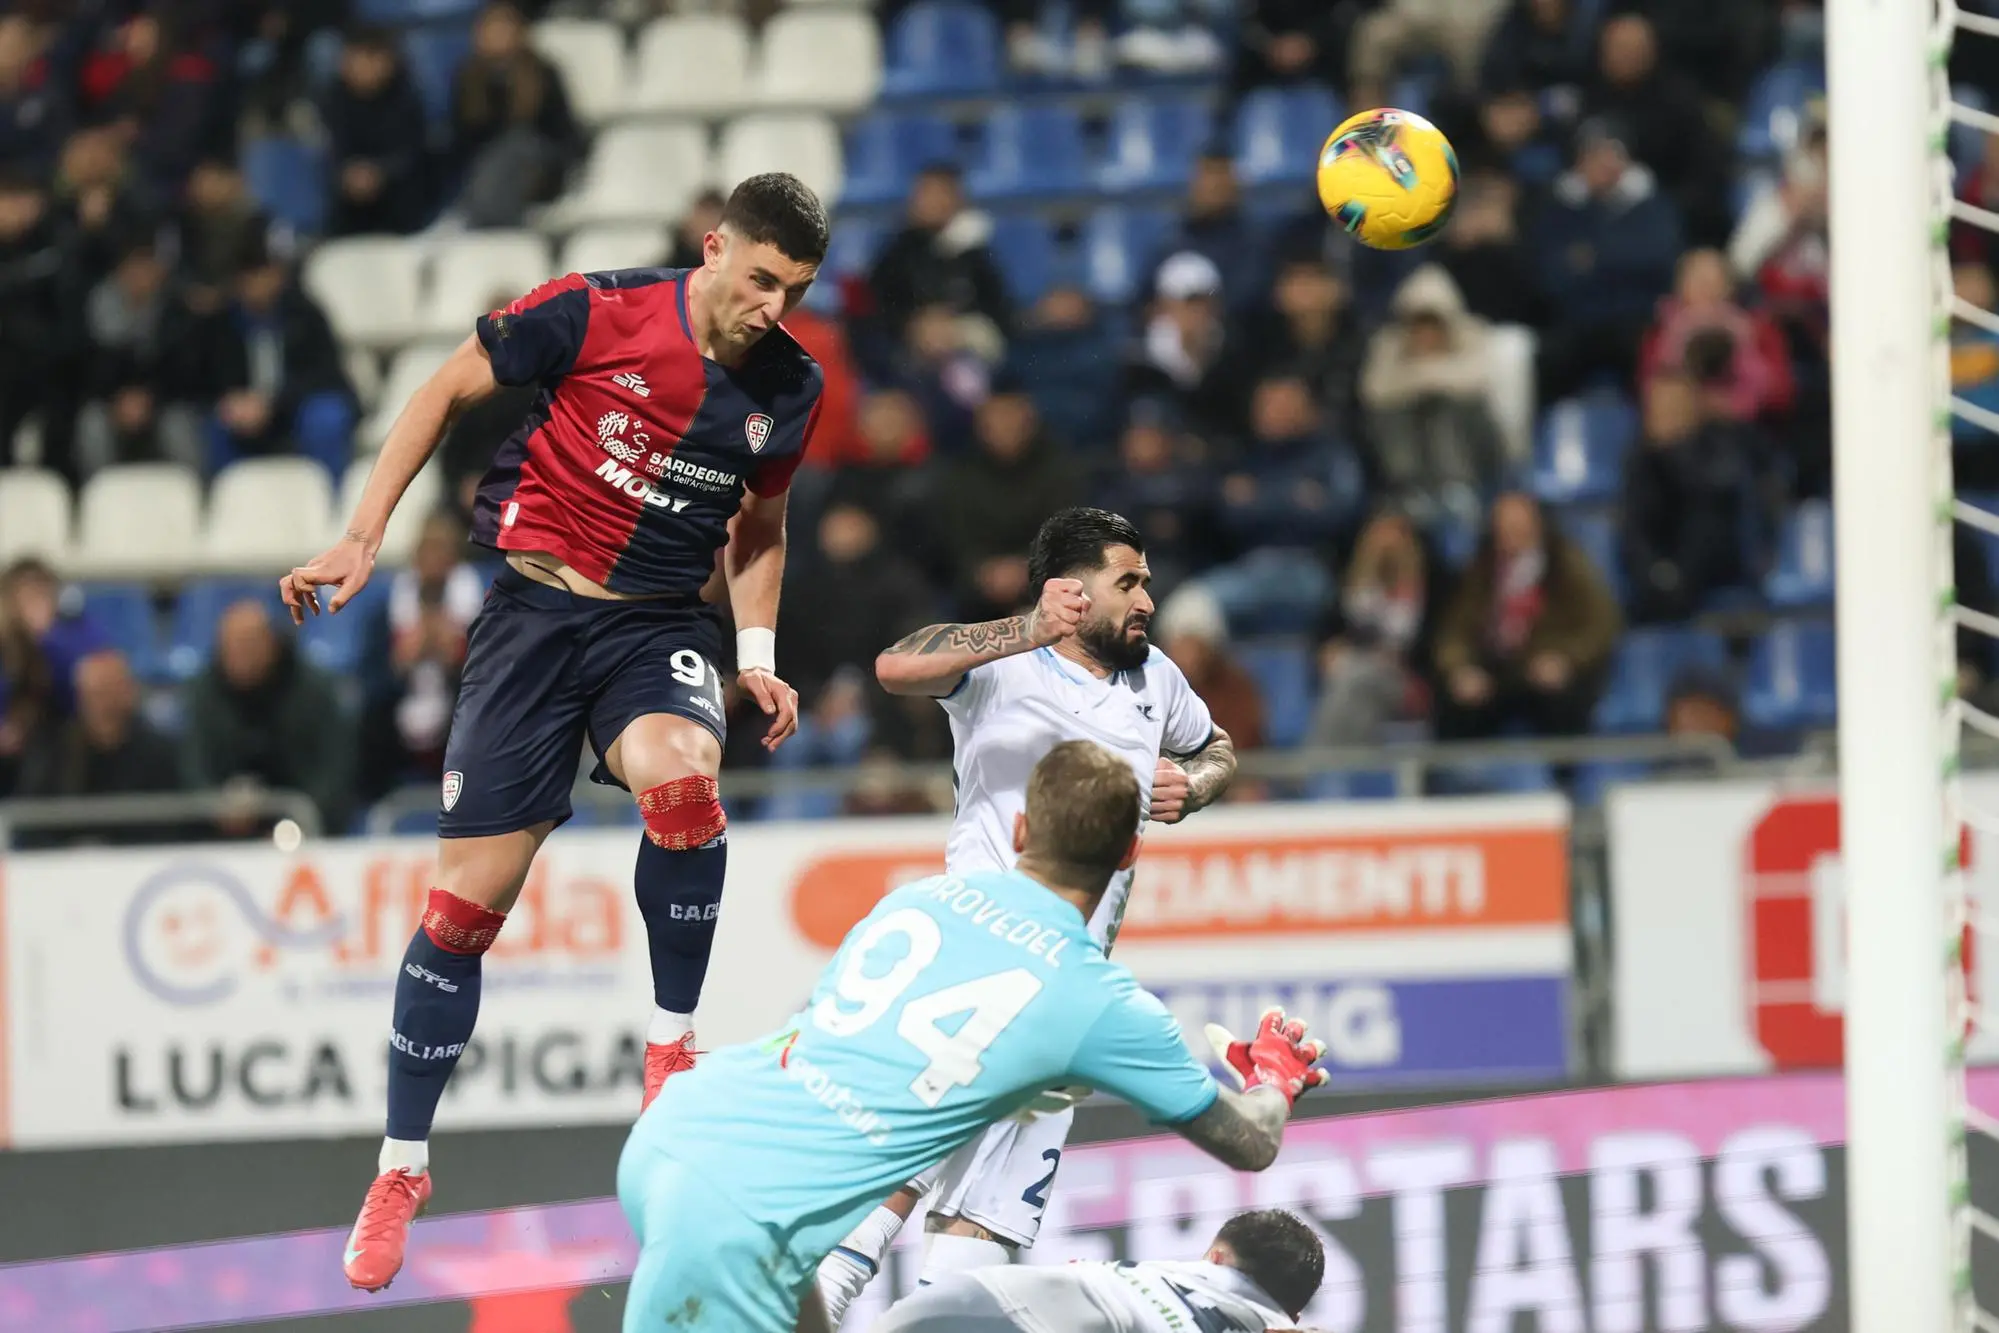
(1276, 1056)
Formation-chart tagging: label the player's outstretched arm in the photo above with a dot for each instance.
(934, 659)
(464, 379)
(1245, 1129)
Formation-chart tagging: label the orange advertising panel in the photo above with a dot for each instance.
(1290, 884)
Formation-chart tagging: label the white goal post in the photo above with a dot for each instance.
(1889, 110)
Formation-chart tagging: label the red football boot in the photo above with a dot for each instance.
(664, 1061)
(375, 1245)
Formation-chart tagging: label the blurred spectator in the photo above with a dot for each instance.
(1974, 352)
(946, 364)
(108, 748)
(1187, 356)
(163, 92)
(1751, 372)
(1720, 44)
(889, 431)
(702, 217)
(1542, 47)
(1606, 247)
(1528, 635)
(27, 702)
(137, 326)
(512, 132)
(1980, 189)
(1064, 349)
(1191, 628)
(218, 224)
(272, 367)
(412, 654)
(942, 257)
(1515, 137)
(848, 599)
(31, 597)
(1687, 492)
(375, 148)
(993, 502)
(1427, 389)
(1214, 226)
(475, 435)
(1311, 326)
(1660, 109)
(1701, 701)
(40, 292)
(36, 109)
(277, 56)
(1294, 41)
(1030, 51)
(1483, 252)
(1374, 653)
(1169, 37)
(834, 430)
(1295, 485)
(1169, 498)
(261, 716)
(1385, 39)
(98, 201)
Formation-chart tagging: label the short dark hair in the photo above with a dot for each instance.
(1278, 1252)
(1073, 540)
(778, 209)
(1082, 813)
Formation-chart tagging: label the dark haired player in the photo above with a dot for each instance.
(1079, 666)
(672, 412)
(1260, 1272)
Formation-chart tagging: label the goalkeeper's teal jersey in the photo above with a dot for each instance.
(952, 1005)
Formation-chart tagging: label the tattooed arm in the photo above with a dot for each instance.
(1242, 1130)
(934, 659)
(1182, 786)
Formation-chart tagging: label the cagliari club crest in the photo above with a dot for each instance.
(757, 428)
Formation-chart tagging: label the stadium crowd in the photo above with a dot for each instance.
(1566, 469)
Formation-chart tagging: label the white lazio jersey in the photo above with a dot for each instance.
(1007, 714)
(1132, 1298)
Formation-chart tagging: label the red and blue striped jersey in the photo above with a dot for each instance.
(637, 450)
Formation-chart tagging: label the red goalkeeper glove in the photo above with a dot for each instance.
(1277, 1056)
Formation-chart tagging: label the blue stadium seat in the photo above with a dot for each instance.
(942, 46)
(1579, 449)
(125, 613)
(1279, 132)
(1119, 245)
(1803, 573)
(1634, 698)
(1024, 246)
(1494, 777)
(334, 643)
(1596, 533)
(434, 55)
(1791, 678)
(1361, 785)
(1773, 113)
(1153, 144)
(1283, 672)
(287, 177)
(1593, 781)
(886, 150)
(396, 13)
(191, 636)
(1029, 150)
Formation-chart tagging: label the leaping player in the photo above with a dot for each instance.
(672, 412)
(1078, 666)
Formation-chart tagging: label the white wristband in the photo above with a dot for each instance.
(756, 649)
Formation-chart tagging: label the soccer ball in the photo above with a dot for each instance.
(1389, 177)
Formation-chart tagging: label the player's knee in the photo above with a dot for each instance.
(458, 925)
(683, 814)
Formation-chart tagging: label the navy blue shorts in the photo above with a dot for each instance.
(546, 669)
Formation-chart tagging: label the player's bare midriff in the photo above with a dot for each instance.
(556, 573)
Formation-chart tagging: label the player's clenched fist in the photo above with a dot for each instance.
(1169, 792)
(1059, 613)
(1277, 1056)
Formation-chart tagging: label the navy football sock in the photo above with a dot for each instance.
(680, 897)
(437, 1003)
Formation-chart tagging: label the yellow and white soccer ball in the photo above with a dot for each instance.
(1389, 177)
